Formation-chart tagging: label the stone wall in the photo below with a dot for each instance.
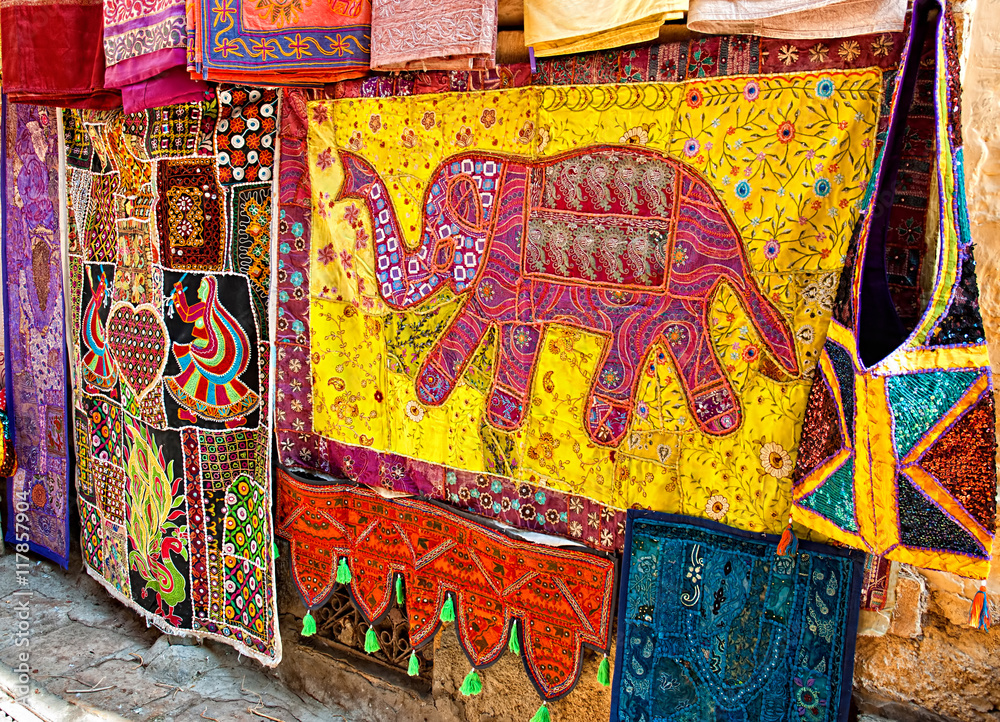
(921, 661)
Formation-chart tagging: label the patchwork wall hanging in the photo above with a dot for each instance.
(714, 625)
(898, 452)
(169, 238)
(426, 557)
(35, 334)
(274, 41)
(555, 297)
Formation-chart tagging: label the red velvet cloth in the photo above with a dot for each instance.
(53, 54)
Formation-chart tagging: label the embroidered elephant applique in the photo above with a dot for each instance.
(619, 241)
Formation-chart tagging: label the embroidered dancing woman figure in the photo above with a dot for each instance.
(208, 384)
(99, 371)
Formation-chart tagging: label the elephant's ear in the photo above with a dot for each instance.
(464, 202)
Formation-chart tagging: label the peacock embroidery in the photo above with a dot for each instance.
(155, 505)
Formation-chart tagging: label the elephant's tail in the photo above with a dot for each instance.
(773, 329)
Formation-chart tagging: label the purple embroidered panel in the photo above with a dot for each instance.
(38, 492)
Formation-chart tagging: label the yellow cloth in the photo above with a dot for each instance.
(559, 27)
(790, 157)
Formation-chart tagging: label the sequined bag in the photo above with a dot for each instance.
(897, 451)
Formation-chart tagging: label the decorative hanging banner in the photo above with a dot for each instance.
(560, 598)
(550, 302)
(35, 335)
(169, 241)
(714, 625)
(899, 446)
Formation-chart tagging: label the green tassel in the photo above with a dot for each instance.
(343, 572)
(399, 590)
(413, 669)
(371, 641)
(514, 645)
(308, 625)
(274, 549)
(448, 611)
(604, 672)
(472, 684)
(542, 715)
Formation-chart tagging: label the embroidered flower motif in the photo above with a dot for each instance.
(818, 53)
(742, 190)
(882, 46)
(320, 114)
(751, 353)
(716, 508)
(691, 147)
(810, 699)
(545, 450)
(788, 54)
(325, 159)
(575, 529)
(771, 249)
(693, 97)
(849, 50)
(526, 133)
(825, 88)
(428, 120)
(326, 254)
(821, 187)
(414, 411)
(542, 139)
(351, 214)
(639, 135)
(775, 460)
(488, 118)
(786, 131)
(674, 335)
(523, 338)
(464, 137)
(354, 142)
(408, 138)
(375, 123)
(751, 91)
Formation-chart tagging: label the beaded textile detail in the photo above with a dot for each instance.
(561, 598)
(714, 626)
(914, 477)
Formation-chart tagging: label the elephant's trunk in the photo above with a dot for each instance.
(405, 278)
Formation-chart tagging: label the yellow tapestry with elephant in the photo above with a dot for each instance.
(611, 291)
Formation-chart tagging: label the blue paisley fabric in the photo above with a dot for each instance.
(714, 626)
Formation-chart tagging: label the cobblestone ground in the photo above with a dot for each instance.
(90, 658)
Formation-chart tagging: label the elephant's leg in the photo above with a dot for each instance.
(445, 363)
(508, 403)
(710, 396)
(609, 407)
